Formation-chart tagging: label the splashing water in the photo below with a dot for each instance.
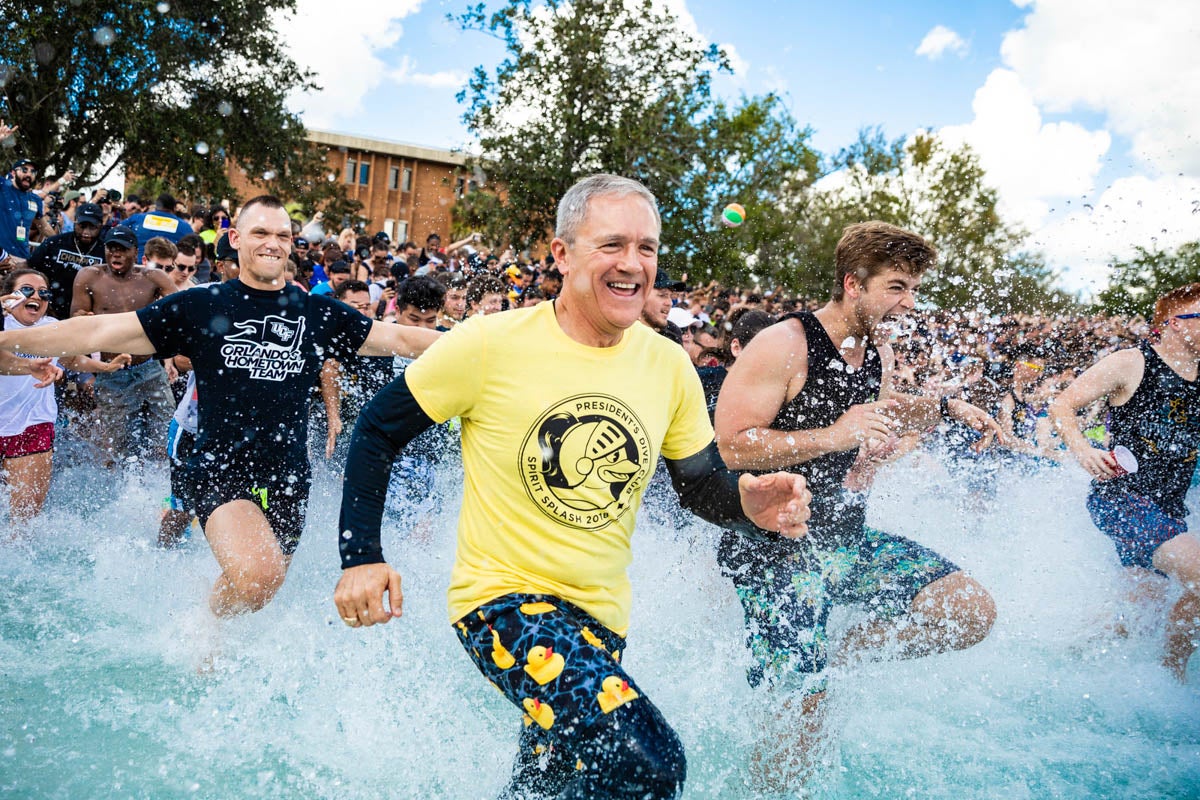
(101, 634)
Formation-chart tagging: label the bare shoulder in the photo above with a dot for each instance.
(776, 345)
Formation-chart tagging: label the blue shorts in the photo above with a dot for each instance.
(1137, 525)
(180, 442)
(788, 587)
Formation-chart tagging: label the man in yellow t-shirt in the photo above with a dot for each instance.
(557, 451)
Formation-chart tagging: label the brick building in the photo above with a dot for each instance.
(406, 190)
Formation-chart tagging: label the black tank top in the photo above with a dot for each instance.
(1160, 425)
(832, 386)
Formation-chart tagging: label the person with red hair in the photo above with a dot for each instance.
(1153, 396)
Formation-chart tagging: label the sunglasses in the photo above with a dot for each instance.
(44, 294)
(180, 267)
(1195, 315)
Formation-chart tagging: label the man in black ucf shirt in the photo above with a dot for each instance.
(256, 344)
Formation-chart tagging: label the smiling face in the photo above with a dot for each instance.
(32, 308)
(608, 269)
(24, 176)
(884, 297)
(263, 239)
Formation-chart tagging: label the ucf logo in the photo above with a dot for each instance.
(585, 460)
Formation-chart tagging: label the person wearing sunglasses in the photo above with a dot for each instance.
(22, 217)
(28, 408)
(1153, 398)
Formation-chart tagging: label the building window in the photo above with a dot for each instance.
(401, 231)
(406, 182)
(364, 173)
(460, 184)
(393, 177)
(351, 165)
(389, 227)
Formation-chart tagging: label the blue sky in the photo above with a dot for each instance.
(1074, 106)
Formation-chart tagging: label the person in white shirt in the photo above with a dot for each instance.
(27, 406)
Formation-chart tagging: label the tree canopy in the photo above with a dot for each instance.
(1135, 283)
(617, 86)
(171, 89)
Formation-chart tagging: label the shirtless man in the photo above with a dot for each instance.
(134, 405)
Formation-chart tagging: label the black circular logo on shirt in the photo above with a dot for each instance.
(584, 460)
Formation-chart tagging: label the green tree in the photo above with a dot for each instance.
(587, 86)
(172, 89)
(1136, 283)
(943, 194)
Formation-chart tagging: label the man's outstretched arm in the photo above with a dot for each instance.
(107, 333)
(706, 487)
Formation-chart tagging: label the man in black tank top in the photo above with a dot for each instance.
(807, 395)
(1153, 396)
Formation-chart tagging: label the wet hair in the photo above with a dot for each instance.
(350, 286)
(573, 207)
(191, 245)
(452, 280)
(867, 249)
(158, 247)
(1169, 304)
(749, 324)
(483, 284)
(264, 200)
(421, 292)
(10, 283)
(165, 201)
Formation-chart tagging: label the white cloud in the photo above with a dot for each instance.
(446, 79)
(939, 41)
(341, 48)
(1154, 213)
(1132, 61)
(1033, 164)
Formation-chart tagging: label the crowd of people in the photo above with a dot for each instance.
(234, 348)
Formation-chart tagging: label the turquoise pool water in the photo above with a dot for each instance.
(101, 636)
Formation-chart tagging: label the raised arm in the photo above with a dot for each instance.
(108, 333)
(387, 339)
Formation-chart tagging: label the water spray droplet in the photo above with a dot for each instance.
(202, 148)
(269, 175)
(104, 36)
(224, 108)
(163, 7)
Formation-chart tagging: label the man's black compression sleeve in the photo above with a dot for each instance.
(387, 423)
(708, 489)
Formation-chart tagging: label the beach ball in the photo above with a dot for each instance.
(733, 215)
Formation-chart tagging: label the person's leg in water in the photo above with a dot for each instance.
(28, 479)
(177, 517)
(1179, 558)
(253, 566)
(597, 736)
(920, 604)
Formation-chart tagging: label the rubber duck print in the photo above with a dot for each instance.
(539, 712)
(615, 692)
(502, 657)
(592, 639)
(530, 609)
(543, 664)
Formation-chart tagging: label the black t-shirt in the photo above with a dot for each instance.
(256, 355)
(60, 258)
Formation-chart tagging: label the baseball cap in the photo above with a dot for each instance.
(120, 235)
(71, 195)
(89, 212)
(663, 281)
(382, 237)
(300, 241)
(224, 250)
(22, 162)
(339, 267)
(679, 315)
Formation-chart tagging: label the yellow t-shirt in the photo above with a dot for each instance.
(559, 442)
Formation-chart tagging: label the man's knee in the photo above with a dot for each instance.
(631, 752)
(967, 609)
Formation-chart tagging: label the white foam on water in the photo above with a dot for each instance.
(101, 635)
